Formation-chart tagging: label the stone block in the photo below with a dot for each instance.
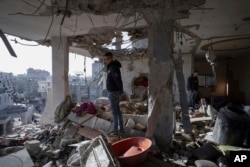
(79, 119)
(32, 144)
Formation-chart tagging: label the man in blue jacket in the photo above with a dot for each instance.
(115, 90)
(192, 87)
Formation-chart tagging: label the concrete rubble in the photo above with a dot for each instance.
(74, 140)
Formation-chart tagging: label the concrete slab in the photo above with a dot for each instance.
(200, 119)
(79, 120)
(89, 133)
(103, 125)
(17, 159)
(142, 119)
(90, 122)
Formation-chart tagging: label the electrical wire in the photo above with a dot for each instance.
(29, 4)
(51, 23)
(65, 12)
(84, 69)
(17, 42)
(39, 7)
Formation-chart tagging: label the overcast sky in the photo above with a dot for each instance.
(37, 57)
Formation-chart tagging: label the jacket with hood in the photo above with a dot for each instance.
(114, 80)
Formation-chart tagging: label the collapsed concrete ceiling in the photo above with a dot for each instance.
(91, 25)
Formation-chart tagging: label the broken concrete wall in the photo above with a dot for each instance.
(132, 69)
(48, 114)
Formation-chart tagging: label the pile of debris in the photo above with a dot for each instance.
(215, 134)
(67, 141)
(80, 137)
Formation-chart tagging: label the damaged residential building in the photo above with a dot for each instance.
(160, 44)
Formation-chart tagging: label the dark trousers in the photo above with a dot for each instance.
(115, 110)
(192, 95)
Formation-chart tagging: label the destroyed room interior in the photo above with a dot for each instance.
(160, 45)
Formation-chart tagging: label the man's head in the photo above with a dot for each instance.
(195, 73)
(108, 57)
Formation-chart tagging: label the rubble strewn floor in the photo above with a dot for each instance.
(74, 141)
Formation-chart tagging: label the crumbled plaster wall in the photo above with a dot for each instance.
(132, 69)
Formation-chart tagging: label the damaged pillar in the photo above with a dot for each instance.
(60, 69)
(60, 83)
(181, 82)
(160, 111)
(188, 65)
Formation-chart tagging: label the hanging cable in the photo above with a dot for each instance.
(17, 42)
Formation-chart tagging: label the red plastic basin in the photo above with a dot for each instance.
(131, 151)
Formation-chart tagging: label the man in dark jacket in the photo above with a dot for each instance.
(115, 89)
(192, 87)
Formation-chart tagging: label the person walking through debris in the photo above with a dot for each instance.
(192, 86)
(115, 90)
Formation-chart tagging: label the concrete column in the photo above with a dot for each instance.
(181, 85)
(188, 65)
(60, 83)
(60, 69)
(160, 114)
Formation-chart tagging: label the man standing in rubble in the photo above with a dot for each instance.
(192, 87)
(115, 90)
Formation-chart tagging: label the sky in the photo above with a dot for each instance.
(37, 57)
